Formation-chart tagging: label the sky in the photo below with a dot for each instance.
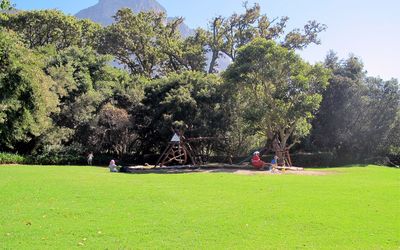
(369, 29)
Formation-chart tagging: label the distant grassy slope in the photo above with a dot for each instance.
(85, 207)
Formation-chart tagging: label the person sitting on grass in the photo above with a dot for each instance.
(113, 167)
(274, 163)
(257, 162)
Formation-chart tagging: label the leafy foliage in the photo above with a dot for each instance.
(227, 35)
(26, 99)
(5, 5)
(276, 92)
(150, 46)
(7, 158)
(44, 27)
(85, 83)
(359, 115)
(189, 101)
(113, 130)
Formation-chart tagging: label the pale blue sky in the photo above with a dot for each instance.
(368, 28)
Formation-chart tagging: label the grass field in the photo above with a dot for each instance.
(90, 208)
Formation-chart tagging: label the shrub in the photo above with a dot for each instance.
(58, 159)
(8, 158)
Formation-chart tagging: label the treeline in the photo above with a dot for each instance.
(69, 87)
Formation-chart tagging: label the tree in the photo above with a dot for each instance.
(150, 46)
(84, 83)
(193, 51)
(382, 117)
(112, 131)
(358, 113)
(26, 100)
(216, 42)
(275, 91)
(190, 100)
(5, 5)
(300, 39)
(44, 27)
(227, 35)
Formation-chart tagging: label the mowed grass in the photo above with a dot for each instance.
(90, 208)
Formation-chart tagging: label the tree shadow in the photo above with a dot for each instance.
(191, 170)
(341, 166)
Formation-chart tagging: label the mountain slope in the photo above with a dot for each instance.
(104, 11)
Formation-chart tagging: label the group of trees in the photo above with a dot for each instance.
(359, 115)
(69, 85)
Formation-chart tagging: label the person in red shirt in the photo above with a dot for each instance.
(256, 161)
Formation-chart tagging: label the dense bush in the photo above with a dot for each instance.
(394, 160)
(58, 159)
(6, 158)
(79, 159)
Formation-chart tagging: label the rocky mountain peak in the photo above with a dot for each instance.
(104, 10)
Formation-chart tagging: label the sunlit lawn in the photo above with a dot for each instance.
(87, 207)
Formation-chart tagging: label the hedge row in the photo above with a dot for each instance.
(58, 160)
(64, 159)
(8, 158)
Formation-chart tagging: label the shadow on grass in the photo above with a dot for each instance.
(345, 166)
(195, 170)
(244, 170)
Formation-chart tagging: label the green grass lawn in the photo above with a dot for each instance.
(87, 207)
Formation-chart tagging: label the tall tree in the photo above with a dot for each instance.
(26, 101)
(227, 35)
(277, 91)
(44, 27)
(5, 5)
(358, 113)
(188, 100)
(148, 45)
(85, 82)
(113, 131)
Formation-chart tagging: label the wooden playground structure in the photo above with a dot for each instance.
(179, 153)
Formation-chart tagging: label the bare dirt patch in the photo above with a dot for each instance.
(257, 172)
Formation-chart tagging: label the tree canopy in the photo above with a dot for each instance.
(44, 27)
(281, 92)
(190, 100)
(149, 45)
(26, 99)
(358, 113)
(227, 35)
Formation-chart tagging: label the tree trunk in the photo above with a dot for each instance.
(213, 62)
